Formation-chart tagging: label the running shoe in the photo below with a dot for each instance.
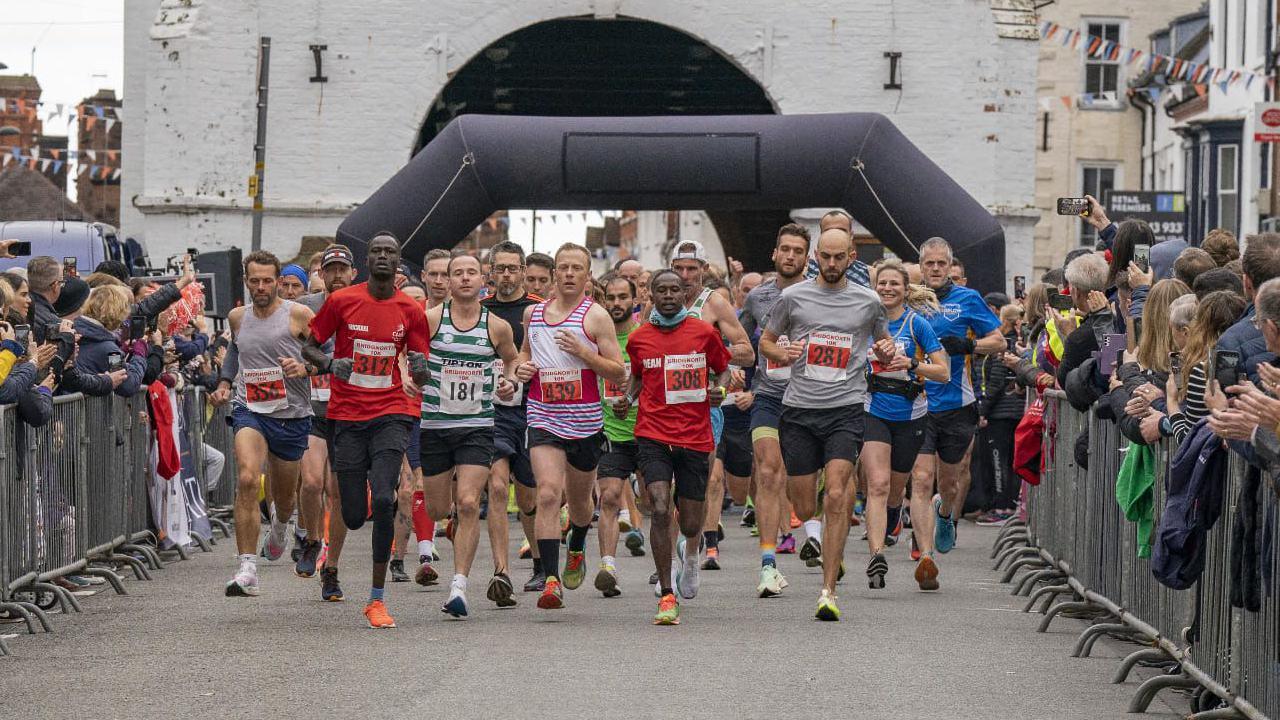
(843, 570)
(827, 609)
(552, 597)
(787, 546)
(624, 520)
(397, 571)
(635, 542)
(245, 583)
(713, 559)
(376, 613)
(501, 591)
(795, 521)
(607, 580)
(755, 531)
(927, 573)
(275, 543)
(575, 569)
(298, 542)
(876, 570)
(891, 537)
(309, 557)
(426, 574)
(526, 551)
(653, 578)
(668, 611)
(915, 550)
(330, 590)
(456, 605)
(536, 582)
(748, 517)
(944, 531)
(996, 518)
(770, 582)
(811, 552)
(689, 578)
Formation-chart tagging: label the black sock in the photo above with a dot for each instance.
(578, 537)
(537, 565)
(892, 516)
(550, 552)
(666, 591)
(711, 539)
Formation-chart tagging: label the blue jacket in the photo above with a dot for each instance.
(188, 349)
(1247, 340)
(96, 346)
(1194, 489)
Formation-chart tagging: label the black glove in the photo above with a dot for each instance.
(418, 369)
(341, 367)
(957, 345)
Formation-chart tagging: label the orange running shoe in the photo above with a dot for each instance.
(376, 613)
(552, 597)
(927, 573)
(668, 611)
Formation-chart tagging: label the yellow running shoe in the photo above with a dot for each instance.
(827, 609)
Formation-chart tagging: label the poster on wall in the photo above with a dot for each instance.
(1267, 129)
(1165, 212)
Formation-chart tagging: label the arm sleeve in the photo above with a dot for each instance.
(87, 383)
(135, 368)
(189, 349)
(325, 323)
(1107, 236)
(155, 365)
(1138, 301)
(159, 301)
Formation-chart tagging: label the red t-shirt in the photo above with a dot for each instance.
(674, 367)
(374, 333)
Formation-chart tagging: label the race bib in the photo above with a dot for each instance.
(498, 369)
(878, 368)
(614, 392)
(773, 370)
(827, 356)
(561, 385)
(461, 389)
(372, 364)
(320, 388)
(264, 391)
(685, 377)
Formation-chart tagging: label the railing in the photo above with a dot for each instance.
(1077, 544)
(74, 497)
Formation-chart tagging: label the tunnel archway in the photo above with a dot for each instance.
(583, 66)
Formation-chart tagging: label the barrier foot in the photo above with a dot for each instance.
(1132, 659)
(139, 570)
(66, 600)
(1026, 562)
(1084, 645)
(1030, 579)
(1053, 591)
(1147, 690)
(1010, 528)
(4, 649)
(182, 552)
(30, 613)
(1075, 605)
(110, 577)
(1227, 713)
(221, 525)
(1007, 541)
(204, 544)
(1013, 552)
(151, 556)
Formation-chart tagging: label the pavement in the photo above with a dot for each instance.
(177, 648)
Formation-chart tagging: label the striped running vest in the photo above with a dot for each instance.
(564, 397)
(695, 310)
(460, 391)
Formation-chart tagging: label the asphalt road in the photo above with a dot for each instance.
(177, 648)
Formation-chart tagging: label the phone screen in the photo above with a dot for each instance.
(1225, 368)
(1073, 206)
(1058, 301)
(115, 361)
(22, 333)
(69, 267)
(20, 248)
(137, 326)
(1142, 256)
(1019, 287)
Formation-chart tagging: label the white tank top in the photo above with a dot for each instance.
(564, 396)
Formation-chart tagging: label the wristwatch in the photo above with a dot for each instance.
(1166, 426)
(914, 364)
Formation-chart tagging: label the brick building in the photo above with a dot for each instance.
(99, 131)
(19, 111)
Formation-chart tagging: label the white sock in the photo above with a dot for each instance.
(426, 547)
(249, 558)
(607, 560)
(624, 515)
(300, 532)
(813, 529)
(459, 583)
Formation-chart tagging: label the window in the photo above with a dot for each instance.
(1095, 180)
(1228, 189)
(1102, 74)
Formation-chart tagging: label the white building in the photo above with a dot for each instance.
(357, 87)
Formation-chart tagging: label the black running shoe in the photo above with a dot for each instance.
(330, 590)
(308, 555)
(298, 542)
(537, 583)
(397, 571)
(876, 570)
(500, 591)
(748, 517)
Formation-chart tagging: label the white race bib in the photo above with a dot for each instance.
(264, 391)
(499, 368)
(461, 389)
(685, 378)
(773, 370)
(827, 356)
(372, 364)
(561, 385)
(878, 369)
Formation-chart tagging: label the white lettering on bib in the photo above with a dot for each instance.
(561, 385)
(773, 370)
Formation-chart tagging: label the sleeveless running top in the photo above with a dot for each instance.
(695, 310)
(564, 396)
(460, 391)
(260, 385)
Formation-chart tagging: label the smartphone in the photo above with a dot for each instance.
(1142, 256)
(1019, 287)
(1175, 367)
(137, 326)
(1073, 206)
(115, 361)
(1012, 344)
(20, 248)
(1109, 351)
(22, 333)
(69, 267)
(1058, 301)
(1225, 365)
(1137, 330)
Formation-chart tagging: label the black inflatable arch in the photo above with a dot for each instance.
(858, 161)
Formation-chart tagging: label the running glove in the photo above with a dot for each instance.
(341, 368)
(957, 345)
(418, 367)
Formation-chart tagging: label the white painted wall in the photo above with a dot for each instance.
(968, 99)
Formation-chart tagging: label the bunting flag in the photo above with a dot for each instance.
(1178, 69)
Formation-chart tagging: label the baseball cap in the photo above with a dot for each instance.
(689, 250)
(336, 253)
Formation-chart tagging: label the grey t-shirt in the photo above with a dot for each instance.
(836, 325)
(769, 379)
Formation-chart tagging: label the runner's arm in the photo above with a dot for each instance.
(314, 354)
(937, 369)
(733, 332)
(607, 363)
(992, 343)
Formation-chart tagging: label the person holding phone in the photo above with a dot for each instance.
(104, 313)
(1162, 254)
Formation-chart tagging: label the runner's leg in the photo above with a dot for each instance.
(549, 468)
(835, 527)
(472, 481)
(875, 463)
(498, 523)
(251, 453)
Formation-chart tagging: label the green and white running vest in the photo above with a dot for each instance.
(695, 310)
(460, 392)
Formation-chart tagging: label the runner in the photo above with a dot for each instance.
(896, 420)
(569, 343)
(620, 457)
(293, 282)
(731, 468)
(511, 456)
(768, 386)
(538, 273)
(271, 413)
(670, 356)
(372, 323)
(435, 276)
(964, 326)
(822, 416)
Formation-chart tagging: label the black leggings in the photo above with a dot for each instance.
(368, 456)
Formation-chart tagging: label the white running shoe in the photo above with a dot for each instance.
(277, 540)
(770, 582)
(456, 605)
(689, 578)
(245, 583)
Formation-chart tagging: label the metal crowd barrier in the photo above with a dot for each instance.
(1077, 545)
(74, 498)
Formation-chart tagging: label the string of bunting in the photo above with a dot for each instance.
(24, 106)
(1174, 68)
(1047, 103)
(56, 160)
